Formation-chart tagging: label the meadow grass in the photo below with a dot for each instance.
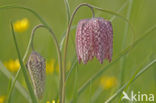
(133, 50)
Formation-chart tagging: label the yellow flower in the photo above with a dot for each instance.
(12, 65)
(53, 101)
(2, 98)
(108, 82)
(21, 25)
(47, 102)
(50, 66)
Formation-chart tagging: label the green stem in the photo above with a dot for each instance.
(67, 10)
(34, 100)
(134, 77)
(65, 49)
(18, 72)
(122, 61)
(33, 34)
(57, 46)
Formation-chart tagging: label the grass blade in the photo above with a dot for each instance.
(67, 10)
(17, 84)
(23, 68)
(123, 60)
(136, 75)
(121, 8)
(19, 71)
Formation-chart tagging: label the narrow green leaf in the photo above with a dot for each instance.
(120, 9)
(34, 100)
(19, 71)
(17, 84)
(67, 10)
(134, 77)
(123, 60)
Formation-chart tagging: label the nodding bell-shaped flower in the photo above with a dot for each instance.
(94, 37)
(36, 67)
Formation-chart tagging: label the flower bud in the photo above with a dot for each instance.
(94, 37)
(36, 67)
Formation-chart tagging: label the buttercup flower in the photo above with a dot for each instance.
(53, 101)
(108, 82)
(94, 37)
(21, 25)
(50, 66)
(12, 65)
(48, 102)
(36, 67)
(2, 98)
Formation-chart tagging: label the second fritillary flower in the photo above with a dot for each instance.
(36, 67)
(94, 37)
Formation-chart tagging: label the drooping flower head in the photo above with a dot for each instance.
(37, 68)
(94, 37)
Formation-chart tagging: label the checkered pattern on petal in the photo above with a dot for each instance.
(94, 37)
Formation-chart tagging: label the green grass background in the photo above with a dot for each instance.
(142, 16)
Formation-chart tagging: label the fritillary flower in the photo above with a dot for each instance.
(37, 67)
(94, 37)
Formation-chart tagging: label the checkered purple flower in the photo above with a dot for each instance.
(94, 37)
(36, 67)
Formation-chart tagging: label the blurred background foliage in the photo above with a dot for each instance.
(141, 14)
